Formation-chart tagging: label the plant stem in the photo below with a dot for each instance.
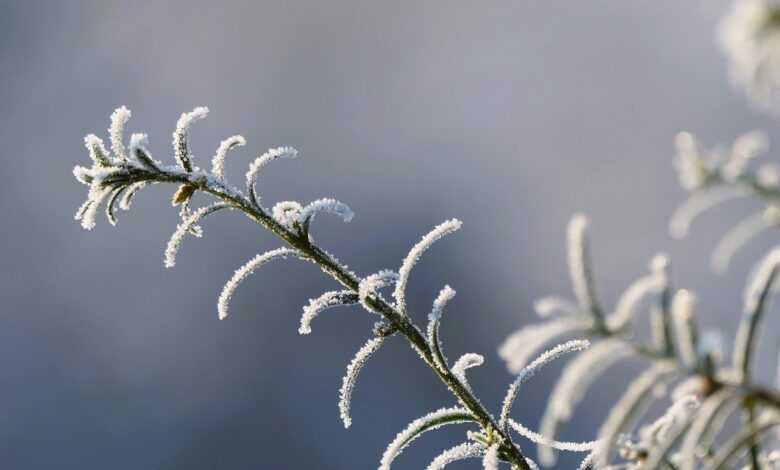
(400, 323)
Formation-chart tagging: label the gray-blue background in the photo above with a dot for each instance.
(510, 115)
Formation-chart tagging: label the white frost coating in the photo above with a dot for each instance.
(218, 162)
(185, 226)
(490, 459)
(638, 291)
(467, 450)
(180, 140)
(575, 379)
(331, 206)
(632, 403)
(530, 370)
(434, 317)
(587, 463)
(750, 38)
(353, 369)
(760, 279)
(370, 285)
(680, 411)
(736, 238)
(549, 306)
(522, 345)
(579, 263)
(92, 205)
(416, 428)
(129, 194)
(683, 306)
(413, 257)
(95, 145)
(287, 213)
(244, 271)
(466, 361)
(262, 161)
(119, 118)
(691, 168)
(683, 216)
(543, 441)
(322, 303)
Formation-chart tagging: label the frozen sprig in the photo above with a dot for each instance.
(490, 459)
(218, 162)
(350, 379)
(325, 301)
(521, 346)
(259, 163)
(327, 205)
(546, 442)
(653, 283)
(414, 255)
(418, 427)
(119, 118)
(370, 286)
(580, 267)
(186, 226)
(530, 370)
(466, 361)
(244, 271)
(434, 319)
(467, 450)
(181, 143)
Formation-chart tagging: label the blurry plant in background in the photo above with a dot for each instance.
(686, 370)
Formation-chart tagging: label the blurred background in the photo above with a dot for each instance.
(511, 115)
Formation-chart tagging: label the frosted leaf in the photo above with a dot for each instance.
(82, 174)
(262, 161)
(330, 206)
(127, 196)
(692, 170)
(522, 345)
(287, 213)
(579, 265)
(530, 370)
(416, 428)
(92, 205)
(736, 238)
(698, 203)
(490, 459)
(467, 450)
(587, 463)
(434, 319)
(638, 291)
(244, 271)
(683, 306)
(466, 361)
(185, 226)
(370, 286)
(320, 304)
(677, 414)
(546, 442)
(548, 306)
(119, 118)
(218, 162)
(413, 257)
(97, 151)
(350, 379)
(633, 403)
(181, 144)
(575, 379)
(139, 152)
(757, 294)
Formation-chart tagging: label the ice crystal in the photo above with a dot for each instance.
(325, 301)
(218, 162)
(350, 379)
(185, 226)
(181, 144)
(467, 450)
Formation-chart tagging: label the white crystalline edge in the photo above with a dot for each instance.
(466, 361)
(244, 271)
(412, 432)
(350, 379)
(218, 162)
(636, 292)
(371, 284)
(318, 305)
(576, 236)
(699, 202)
(413, 257)
(490, 459)
(286, 213)
(172, 249)
(551, 443)
(531, 369)
(683, 304)
(745, 148)
(633, 397)
(328, 205)
(119, 118)
(263, 160)
(702, 421)
(548, 306)
(180, 144)
(524, 343)
(434, 317)
(467, 450)
(93, 142)
(575, 379)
